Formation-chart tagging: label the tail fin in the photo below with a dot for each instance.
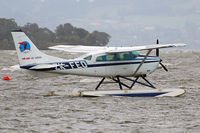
(28, 53)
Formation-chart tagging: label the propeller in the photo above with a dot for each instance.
(157, 50)
(157, 54)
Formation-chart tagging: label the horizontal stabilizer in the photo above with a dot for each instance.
(43, 66)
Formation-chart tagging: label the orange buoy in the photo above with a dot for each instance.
(6, 78)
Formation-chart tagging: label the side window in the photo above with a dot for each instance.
(88, 57)
(124, 56)
(99, 58)
(120, 56)
(110, 57)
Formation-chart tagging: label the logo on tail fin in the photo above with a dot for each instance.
(24, 46)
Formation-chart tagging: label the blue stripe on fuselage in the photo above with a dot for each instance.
(120, 63)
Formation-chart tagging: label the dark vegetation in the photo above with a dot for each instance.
(65, 34)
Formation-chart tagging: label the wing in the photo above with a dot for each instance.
(78, 48)
(89, 49)
(147, 47)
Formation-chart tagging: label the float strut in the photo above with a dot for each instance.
(120, 82)
(150, 85)
(100, 83)
(134, 82)
(120, 86)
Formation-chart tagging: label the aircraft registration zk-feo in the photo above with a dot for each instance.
(115, 63)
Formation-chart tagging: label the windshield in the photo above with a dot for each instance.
(88, 57)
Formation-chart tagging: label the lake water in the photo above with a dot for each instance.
(24, 108)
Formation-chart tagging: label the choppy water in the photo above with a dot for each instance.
(23, 108)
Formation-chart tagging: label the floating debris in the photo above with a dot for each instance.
(6, 78)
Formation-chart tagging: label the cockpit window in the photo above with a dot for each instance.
(88, 57)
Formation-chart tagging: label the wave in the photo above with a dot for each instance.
(12, 68)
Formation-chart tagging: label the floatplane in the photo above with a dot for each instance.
(115, 63)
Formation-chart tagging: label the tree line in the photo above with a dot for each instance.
(65, 34)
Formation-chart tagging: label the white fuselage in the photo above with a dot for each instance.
(108, 70)
(96, 68)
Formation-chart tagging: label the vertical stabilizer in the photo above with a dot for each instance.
(28, 53)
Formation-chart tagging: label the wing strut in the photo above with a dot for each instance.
(149, 51)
